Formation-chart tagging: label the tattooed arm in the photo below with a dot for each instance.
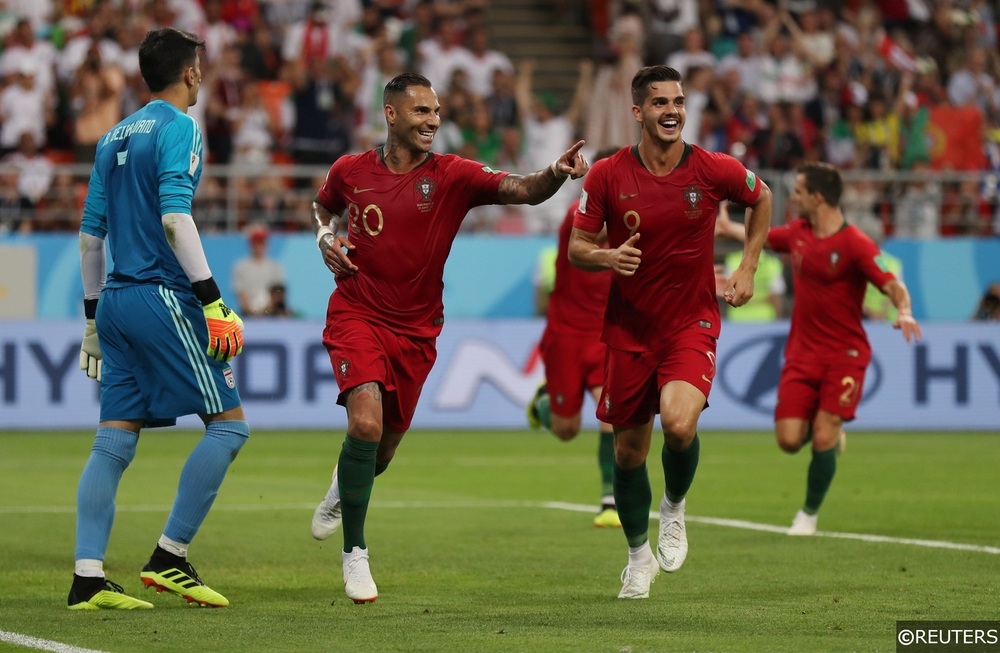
(540, 186)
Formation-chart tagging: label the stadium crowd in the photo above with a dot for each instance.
(887, 85)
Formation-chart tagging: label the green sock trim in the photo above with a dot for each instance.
(679, 468)
(822, 468)
(633, 498)
(356, 475)
(606, 461)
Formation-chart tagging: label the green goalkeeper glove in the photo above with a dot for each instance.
(90, 351)
(225, 331)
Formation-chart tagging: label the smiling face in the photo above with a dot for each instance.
(414, 117)
(662, 113)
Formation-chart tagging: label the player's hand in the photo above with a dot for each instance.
(626, 258)
(336, 259)
(90, 351)
(571, 163)
(911, 330)
(739, 288)
(225, 331)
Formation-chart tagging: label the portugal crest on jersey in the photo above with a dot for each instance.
(693, 196)
(425, 189)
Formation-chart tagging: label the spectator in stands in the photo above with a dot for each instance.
(255, 275)
(252, 130)
(21, 46)
(218, 35)
(547, 133)
(34, 170)
(324, 34)
(386, 63)
(226, 81)
(988, 308)
(917, 210)
(747, 60)
(440, 55)
(24, 108)
(669, 21)
(605, 122)
(322, 106)
(15, 210)
(502, 101)
(483, 62)
(785, 76)
(259, 56)
(972, 84)
(96, 95)
(692, 55)
(79, 49)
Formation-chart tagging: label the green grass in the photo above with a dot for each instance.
(468, 558)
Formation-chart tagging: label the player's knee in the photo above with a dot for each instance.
(679, 429)
(365, 426)
(627, 455)
(789, 445)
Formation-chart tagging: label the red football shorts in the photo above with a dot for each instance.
(573, 365)
(808, 387)
(362, 352)
(632, 380)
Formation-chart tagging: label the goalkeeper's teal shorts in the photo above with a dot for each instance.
(153, 342)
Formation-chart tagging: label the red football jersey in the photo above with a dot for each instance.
(403, 227)
(674, 287)
(830, 276)
(577, 302)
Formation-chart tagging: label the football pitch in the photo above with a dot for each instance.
(482, 541)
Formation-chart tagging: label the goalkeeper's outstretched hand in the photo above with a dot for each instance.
(90, 351)
(225, 331)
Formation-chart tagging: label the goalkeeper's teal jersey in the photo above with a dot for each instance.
(147, 166)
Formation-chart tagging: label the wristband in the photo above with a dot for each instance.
(321, 233)
(90, 309)
(906, 317)
(555, 170)
(207, 291)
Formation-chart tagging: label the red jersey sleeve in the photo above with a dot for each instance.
(779, 239)
(327, 196)
(480, 182)
(869, 259)
(593, 209)
(739, 184)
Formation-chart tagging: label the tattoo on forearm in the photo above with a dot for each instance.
(533, 188)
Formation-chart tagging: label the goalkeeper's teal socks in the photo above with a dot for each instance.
(110, 455)
(633, 497)
(822, 468)
(679, 468)
(356, 475)
(202, 476)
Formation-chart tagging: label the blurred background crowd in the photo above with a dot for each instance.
(902, 95)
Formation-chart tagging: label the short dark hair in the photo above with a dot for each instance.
(401, 82)
(164, 54)
(648, 75)
(824, 179)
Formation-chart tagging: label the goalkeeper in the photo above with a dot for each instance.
(158, 337)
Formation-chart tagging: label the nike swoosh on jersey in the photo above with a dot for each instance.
(623, 196)
(358, 191)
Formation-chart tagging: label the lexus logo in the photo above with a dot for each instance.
(749, 373)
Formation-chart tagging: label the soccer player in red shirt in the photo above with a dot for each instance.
(662, 317)
(573, 355)
(401, 206)
(827, 349)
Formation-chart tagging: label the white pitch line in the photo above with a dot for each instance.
(552, 505)
(27, 641)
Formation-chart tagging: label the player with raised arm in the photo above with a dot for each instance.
(158, 335)
(573, 355)
(827, 350)
(385, 221)
(658, 201)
